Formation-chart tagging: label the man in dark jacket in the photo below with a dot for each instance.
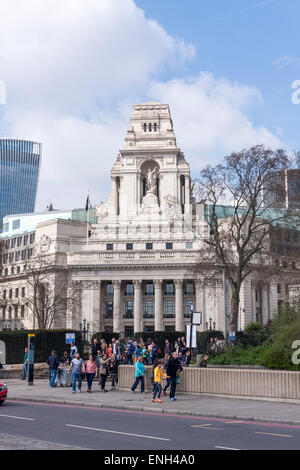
(53, 364)
(95, 347)
(173, 367)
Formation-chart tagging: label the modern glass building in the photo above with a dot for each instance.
(19, 171)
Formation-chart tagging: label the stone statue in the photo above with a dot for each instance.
(151, 181)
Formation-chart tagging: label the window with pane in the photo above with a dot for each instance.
(13, 242)
(109, 288)
(109, 308)
(169, 288)
(9, 313)
(19, 241)
(129, 246)
(23, 254)
(149, 246)
(149, 308)
(169, 246)
(25, 239)
(188, 308)
(189, 288)
(3, 312)
(11, 257)
(23, 291)
(16, 311)
(129, 309)
(7, 244)
(29, 252)
(189, 245)
(109, 246)
(170, 308)
(4, 294)
(22, 311)
(17, 292)
(32, 238)
(17, 256)
(10, 293)
(16, 224)
(129, 288)
(149, 288)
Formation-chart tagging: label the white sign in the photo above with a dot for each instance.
(194, 340)
(197, 318)
(232, 336)
(70, 338)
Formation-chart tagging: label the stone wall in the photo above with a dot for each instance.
(244, 383)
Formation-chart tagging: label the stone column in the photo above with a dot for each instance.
(187, 195)
(158, 306)
(115, 195)
(199, 302)
(117, 321)
(179, 315)
(138, 306)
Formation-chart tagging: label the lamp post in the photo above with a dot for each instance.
(84, 329)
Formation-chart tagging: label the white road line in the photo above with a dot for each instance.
(226, 448)
(18, 417)
(117, 432)
(273, 434)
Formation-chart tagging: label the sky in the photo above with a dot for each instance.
(70, 71)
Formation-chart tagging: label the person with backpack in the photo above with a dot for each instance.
(139, 375)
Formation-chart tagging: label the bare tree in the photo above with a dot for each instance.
(47, 293)
(243, 199)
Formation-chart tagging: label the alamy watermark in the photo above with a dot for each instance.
(295, 358)
(2, 92)
(296, 94)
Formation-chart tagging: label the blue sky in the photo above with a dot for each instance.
(74, 68)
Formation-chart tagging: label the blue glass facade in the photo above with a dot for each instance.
(19, 171)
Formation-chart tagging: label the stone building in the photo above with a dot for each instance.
(134, 271)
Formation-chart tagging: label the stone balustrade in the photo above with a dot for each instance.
(242, 383)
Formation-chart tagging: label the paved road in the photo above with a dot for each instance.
(51, 426)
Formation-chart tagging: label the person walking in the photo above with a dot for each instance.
(139, 375)
(129, 351)
(77, 369)
(53, 364)
(64, 362)
(165, 362)
(25, 364)
(113, 371)
(173, 367)
(158, 374)
(104, 361)
(95, 347)
(73, 350)
(90, 372)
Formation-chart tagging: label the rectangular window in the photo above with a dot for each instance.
(6, 227)
(109, 246)
(29, 252)
(32, 238)
(129, 246)
(23, 254)
(17, 292)
(16, 311)
(23, 291)
(13, 242)
(22, 311)
(169, 246)
(189, 288)
(169, 288)
(10, 293)
(129, 309)
(149, 309)
(129, 331)
(16, 224)
(12, 271)
(278, 288)
(17, 256)
(7, 243)
(19, 241)
(3, 312)
(188, 245)
(169, 310)
(169, 328)
(18, 269)
(188, 309)
(149, 246)
(149, 288)
(9, 313)
(109, 308)
(25, 239)
(5, 258)
(129, 288)
(109, 288)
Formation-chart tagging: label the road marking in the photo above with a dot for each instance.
(18, 417)
(226, 448)
(234, 422)
(118, 432)
(273, 434)
(206, 426)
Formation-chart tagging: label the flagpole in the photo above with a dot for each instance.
(88, 219)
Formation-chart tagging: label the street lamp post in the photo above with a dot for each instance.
(84, 332)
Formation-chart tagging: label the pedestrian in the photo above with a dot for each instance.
(95, 347)
(138, 352)
(139, 375)
(25, 364)
(154, 352)
(73, 350)
(77, 368)
(103, 347)
(165, 364)
(145, 355)
(113, 371)
(104, 361)
(203, 362)
(158, 374)
(97, 360)
(53, 364)
(109, 350)
(188, 358)
(130, 350)
(152, 374)
(173, 368)
(167, 348)
(90, 372)
(64, 363)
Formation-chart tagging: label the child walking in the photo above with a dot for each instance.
(158, 374)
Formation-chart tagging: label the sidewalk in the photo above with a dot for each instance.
(242, 409)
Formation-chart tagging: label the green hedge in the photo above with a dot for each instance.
(45, 342)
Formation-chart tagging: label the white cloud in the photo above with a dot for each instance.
(287, 61)
(210, 117)
(73, 69)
